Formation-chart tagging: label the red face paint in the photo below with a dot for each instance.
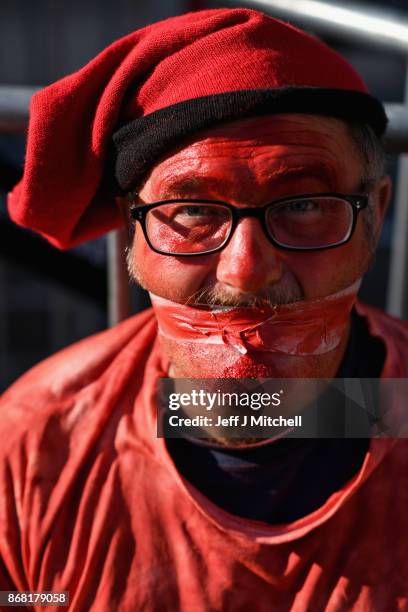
(311, 327)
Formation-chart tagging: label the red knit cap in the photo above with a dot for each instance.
(156, 86)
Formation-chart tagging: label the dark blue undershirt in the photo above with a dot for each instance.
(284, 480)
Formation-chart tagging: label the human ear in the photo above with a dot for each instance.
(122, 202)
(382, 196)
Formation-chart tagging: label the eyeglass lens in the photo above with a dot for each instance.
(310, 223)
(188, 228)
(184, 227)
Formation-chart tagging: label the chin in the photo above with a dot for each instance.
(190, 360)
(250, 367)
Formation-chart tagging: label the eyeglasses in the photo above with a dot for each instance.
(309, 222)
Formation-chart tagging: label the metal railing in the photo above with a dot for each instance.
(360, 25)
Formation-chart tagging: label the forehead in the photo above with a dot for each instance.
(260, 149)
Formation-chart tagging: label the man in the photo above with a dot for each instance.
(247, 158)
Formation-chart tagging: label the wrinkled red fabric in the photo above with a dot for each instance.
(311, 327)
(91, 502)
(61, 195)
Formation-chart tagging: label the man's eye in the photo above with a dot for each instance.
(191, 215)
(196, 211)
(200, 214)
(302, 206)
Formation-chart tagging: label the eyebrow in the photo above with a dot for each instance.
(321, 171)
(185, 186)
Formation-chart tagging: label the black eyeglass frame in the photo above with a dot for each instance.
(357, 201)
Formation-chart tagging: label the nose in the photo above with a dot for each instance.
(249, 263)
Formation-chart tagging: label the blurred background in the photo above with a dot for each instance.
(50, 299)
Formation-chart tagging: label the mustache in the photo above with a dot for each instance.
(271, 296)
(216, 295)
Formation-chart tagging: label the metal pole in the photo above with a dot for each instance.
(396, 136)
(397, 298)
(118, 280)
(15, 119)
(14, 105)
(388, 29)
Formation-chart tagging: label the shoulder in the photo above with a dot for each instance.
(394, 333)
(59, 428)
(380, 323)
(79, 371)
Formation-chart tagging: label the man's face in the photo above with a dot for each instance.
(250, 163)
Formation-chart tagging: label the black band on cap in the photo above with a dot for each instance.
(138, 145)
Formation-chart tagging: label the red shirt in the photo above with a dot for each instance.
(92, 503)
